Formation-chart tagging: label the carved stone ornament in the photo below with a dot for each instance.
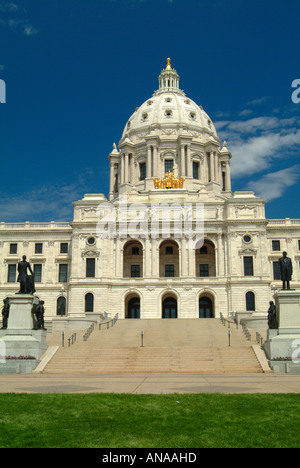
(90, 254)
(250, 252)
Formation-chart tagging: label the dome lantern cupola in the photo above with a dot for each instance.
(168, 79)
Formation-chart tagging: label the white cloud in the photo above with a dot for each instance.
(273, 185)
(9, 7)
(29, 30)
(257, 102)
(246, 112)
(12, 17)
(257, 143)
(45, 203)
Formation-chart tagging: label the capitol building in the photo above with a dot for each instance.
(171, 240)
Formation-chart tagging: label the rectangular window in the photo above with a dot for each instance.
(169, 271)
(13, 248)
(298, 244)
(169, 164)
(276, 271)
(90, 267)
(63, 273)
(204, 270)
(135, 271)
(64, 247)
(12, 270)
(169, 250)
(135, 251)
(248, 266)
(142, 171)
(195, 170)
(38, 248)
(276, 246)
(37, 270)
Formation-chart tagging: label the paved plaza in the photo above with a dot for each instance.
(150, 383)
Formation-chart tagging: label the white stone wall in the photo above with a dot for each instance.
(227, 222)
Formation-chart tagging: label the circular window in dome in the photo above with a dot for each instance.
(168, 99)
(193, 115)
(168, 113)
(144, 116)
(187, 101)
(91, 240)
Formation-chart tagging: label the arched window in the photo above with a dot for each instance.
(169, 259)
(61, 306)
(89, 302)
(133, 259)
(206, 260)
(250, 301)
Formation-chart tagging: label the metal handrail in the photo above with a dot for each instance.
(246, 332)
(110, 322)
(229, 322)
(72, 338)
(88, 332)
(259, 339)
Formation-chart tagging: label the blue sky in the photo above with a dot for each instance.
(75, 70)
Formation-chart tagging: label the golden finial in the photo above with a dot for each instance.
(169, 64)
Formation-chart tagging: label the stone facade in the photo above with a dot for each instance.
(81, 269)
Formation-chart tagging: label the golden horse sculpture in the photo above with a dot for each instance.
(169, 181)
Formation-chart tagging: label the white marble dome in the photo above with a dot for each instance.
(169, 111)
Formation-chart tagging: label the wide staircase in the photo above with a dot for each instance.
(169, 346)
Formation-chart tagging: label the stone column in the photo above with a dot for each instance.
(184, 264)
(148, 168)
(122, 169)
(111, 178)
(228, 177)
(119, 259)
(212, 166)
(126, 168)
(220, 261)
(189, 162)
(182, 161)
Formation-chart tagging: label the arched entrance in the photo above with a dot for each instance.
(133, 308)
(206, 307)
(169, 308)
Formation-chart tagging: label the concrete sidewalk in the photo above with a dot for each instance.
(150, 383)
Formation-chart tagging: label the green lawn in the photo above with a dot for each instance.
(149, 421)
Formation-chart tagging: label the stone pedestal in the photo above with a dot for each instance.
(20, 316)
(281, 342)
(20, 339)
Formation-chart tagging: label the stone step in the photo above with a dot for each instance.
(178, 346)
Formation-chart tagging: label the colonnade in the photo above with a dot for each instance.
(127, 167)
(151, 257)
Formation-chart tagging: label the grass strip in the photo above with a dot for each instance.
(149, 421)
